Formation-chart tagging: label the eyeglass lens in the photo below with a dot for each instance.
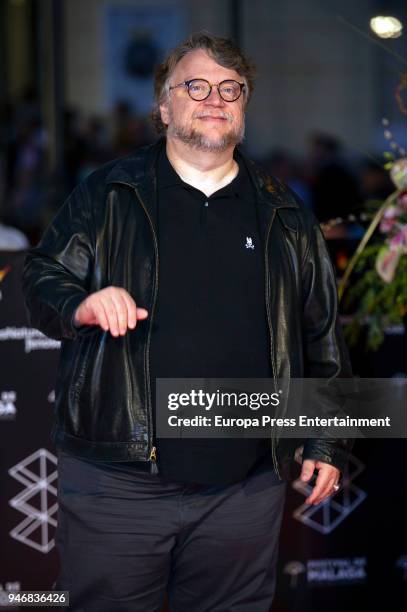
(199, 89)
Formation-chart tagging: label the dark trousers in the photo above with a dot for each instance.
(125, 537)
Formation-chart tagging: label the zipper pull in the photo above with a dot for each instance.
(153, 459)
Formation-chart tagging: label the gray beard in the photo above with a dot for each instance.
(200, 142)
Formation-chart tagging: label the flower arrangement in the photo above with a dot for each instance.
(380, 291)
(394, 226)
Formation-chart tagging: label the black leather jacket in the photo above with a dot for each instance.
(105, 234)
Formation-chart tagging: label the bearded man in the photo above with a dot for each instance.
(181, 260)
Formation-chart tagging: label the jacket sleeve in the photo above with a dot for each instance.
(326, 354)
(56, 273)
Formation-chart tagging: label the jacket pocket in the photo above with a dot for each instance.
(83, 354)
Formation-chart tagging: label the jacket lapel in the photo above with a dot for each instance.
(270, 195)
(138, 171)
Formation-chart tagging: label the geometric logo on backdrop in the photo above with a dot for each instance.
(37, 501)
(327, 515)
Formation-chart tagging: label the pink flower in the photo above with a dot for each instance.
(391, 212)
(399, 240)
(389, 219)
(386, 263)
(386, 225)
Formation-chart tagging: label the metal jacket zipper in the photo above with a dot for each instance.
(267, 294)
(153, 449)
(153, 459)
(153, 454)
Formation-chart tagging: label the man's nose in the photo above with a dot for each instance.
(214, 97)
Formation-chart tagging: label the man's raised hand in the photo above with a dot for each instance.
(112, 308)
(327, 479)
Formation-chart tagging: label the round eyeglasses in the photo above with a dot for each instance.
(200, 89)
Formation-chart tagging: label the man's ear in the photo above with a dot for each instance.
(164, 112)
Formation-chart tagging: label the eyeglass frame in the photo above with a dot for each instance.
(211, 85)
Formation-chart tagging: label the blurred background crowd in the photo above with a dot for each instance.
(325, 83)
(327, 180)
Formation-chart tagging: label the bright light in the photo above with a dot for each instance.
(386, 27)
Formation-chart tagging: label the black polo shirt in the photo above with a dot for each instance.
(210, 318)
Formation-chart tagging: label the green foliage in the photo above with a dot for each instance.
(378, 304)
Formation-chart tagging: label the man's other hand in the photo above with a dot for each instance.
(328, 476)
(112, 308)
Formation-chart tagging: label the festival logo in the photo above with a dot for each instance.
(323, 572)
(37, 501)
(294, 569)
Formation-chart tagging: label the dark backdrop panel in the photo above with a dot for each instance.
(27, 460)
(342, 555)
